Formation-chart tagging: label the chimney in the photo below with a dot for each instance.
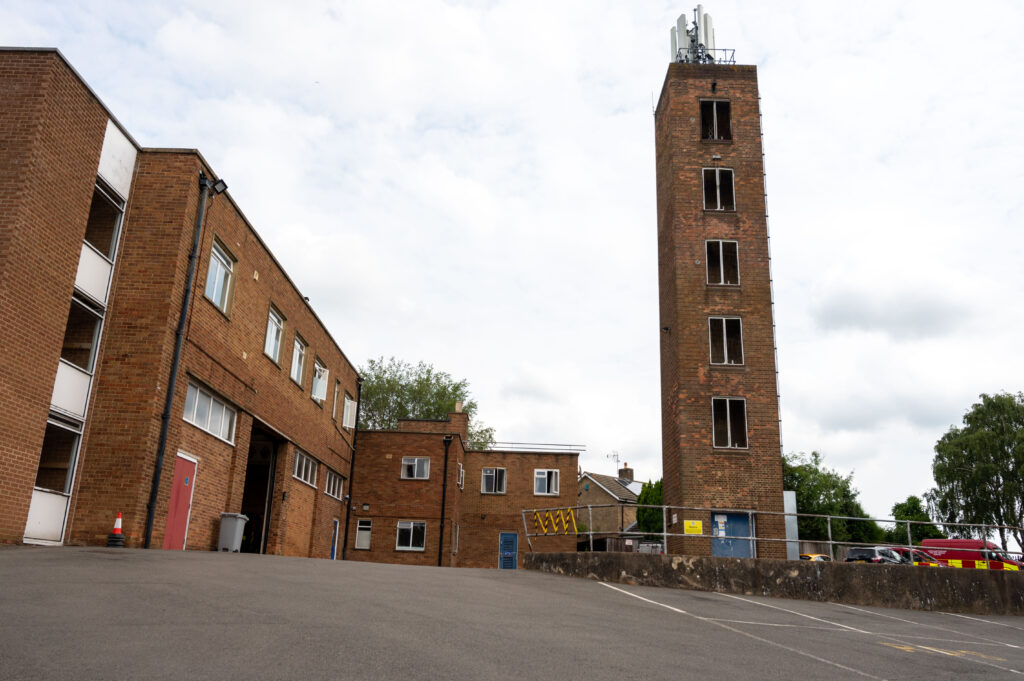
(626, 473)
(458, 407)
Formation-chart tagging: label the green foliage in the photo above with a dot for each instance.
(393, 389)
(979, 468)
(649, 519)
(912, 509)
(825, 491)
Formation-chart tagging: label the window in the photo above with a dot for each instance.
(209, 413)
(718, 192)
(415, 467)
(714, 120)
(411, 536)
(104, 224)
(460, 478)
(305, 468)
(726, 340)
(298, 359)
(82, 334)
(348, 419)
(492, 481)
(320, 374)
(218, 279)
(729, 415)
(334, 407)
(723, 262)
(275, 329)
(545, 481)
(363, 530)
(335, 485)
(455, 540)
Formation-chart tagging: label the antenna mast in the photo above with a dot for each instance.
(695, 44)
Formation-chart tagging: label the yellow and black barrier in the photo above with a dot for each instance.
(555, 518)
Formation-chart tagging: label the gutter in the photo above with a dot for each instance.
(444, 494)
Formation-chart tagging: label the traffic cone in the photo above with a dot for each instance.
(115, 538)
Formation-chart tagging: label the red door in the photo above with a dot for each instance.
(181, 503)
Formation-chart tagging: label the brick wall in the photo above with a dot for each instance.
(604, 519)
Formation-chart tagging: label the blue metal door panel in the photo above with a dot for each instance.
(508, 549)
(334, 540)
(731, 525)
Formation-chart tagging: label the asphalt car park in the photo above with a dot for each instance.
(92, 613)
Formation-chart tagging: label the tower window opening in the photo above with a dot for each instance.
(726, 340)
(729, 415)
(718, 189)
(714, 120)
(723, 262)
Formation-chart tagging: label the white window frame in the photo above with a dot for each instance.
(195, 395)
(550, 478)
(718, 189)
(275, 334)
(364, 530)
(729, 444)
(348, 417)
(494, 479)
(460, 479)
(721, 261)
(299, 347)
(727, 360)
(335, 486)
(320, 377)
(219, 276)
(410, 525)
(415, 461)
(304, 468)
(337, 393)
(715, 132)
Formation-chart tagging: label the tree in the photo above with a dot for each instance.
(393, 389)
(912, 509)
(649, 519)
(979, 469)
(825, 491)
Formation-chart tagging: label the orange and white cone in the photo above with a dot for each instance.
(115, 538)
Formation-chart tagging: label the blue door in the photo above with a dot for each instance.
(508, 549)
(334, 541)
(731, 525)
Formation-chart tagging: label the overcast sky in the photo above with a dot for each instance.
(472, 184)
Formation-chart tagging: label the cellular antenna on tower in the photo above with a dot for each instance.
(695, 43)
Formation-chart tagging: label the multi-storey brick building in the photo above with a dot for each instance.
(720, 412)
(158, 361)
(420, 497)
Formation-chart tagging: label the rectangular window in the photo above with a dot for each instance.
(320, 375)
(460, 479)
(718, 190)
(337, 393)
(729, 415)
(104, 224)
(412, 536)
(204, 410)
(275, 329)
(305, 468)
(545, 481)
(714, 120)
(723, 262)
(335, 485)
(82, 334)
(415, 467)
(218, 278)
(363, 530)
(726, 340)
(492, 481)
(298, 359)
(348, 419)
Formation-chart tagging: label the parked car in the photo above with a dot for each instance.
(872, 554)
(970, 550)
(916, 557)
(821, 557)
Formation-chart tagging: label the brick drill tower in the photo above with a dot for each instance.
(721, 446)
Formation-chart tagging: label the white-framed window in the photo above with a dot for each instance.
(320, 375)
(348, 419)
(335, 485)
(455, 539)
(726, 334)
(723, 262)
(210, 413)
(275, 330)
(492, 481)
(364, 527)
(545, 481)
(718, 189)
(412, 536)
(415, 467)
(337, 394)
(460, 479)
(218, 278)
(714, 120)
(305, 468)
(729, 418)
(298, 359)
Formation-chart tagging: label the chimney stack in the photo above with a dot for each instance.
(626, 473)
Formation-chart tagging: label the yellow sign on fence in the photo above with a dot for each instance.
(693, 527)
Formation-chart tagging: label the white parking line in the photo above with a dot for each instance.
(990, 641)
(978, 619)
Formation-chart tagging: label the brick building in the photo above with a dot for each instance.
(614, 495)
(420, 497)
(104, 310)
(720, 410)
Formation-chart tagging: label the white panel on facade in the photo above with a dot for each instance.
(46, 516)
(117, 160)
(93, 276)
(71, 389)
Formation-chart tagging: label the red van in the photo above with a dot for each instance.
(970, 553)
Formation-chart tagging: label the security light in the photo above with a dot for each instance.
(220, 186)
